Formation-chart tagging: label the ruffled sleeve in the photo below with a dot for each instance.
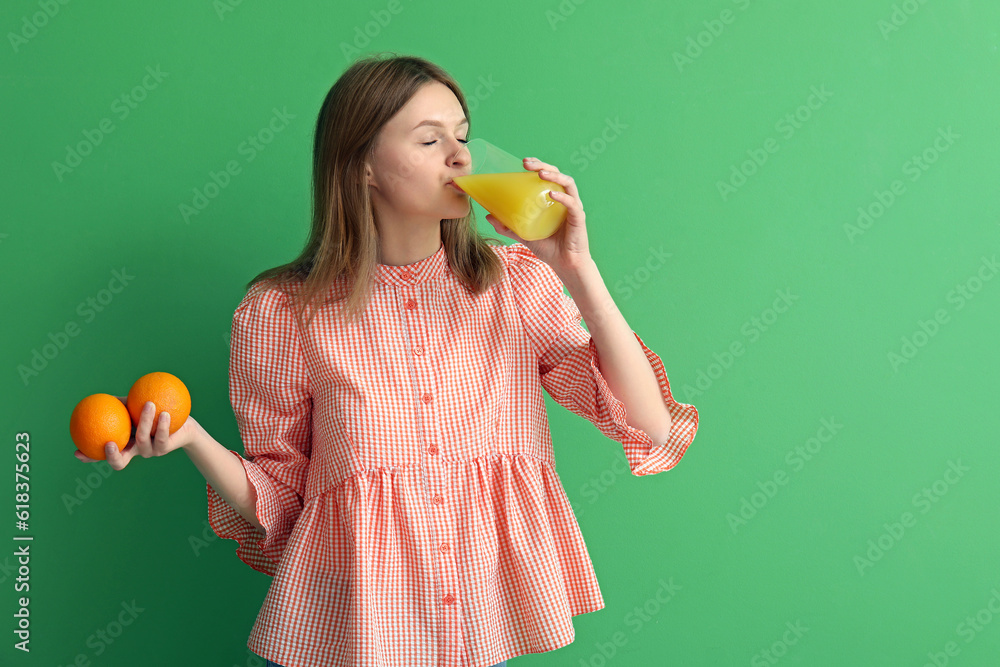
(569, 370)
(269, 391)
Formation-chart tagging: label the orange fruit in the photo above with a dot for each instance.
(167, 392)
(97, 420)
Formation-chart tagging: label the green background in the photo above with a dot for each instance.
(649, 106)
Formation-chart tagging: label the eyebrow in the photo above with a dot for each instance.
(464, 121)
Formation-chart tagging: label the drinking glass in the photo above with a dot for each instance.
(515, 196)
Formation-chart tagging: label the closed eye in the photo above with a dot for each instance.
(431, 143)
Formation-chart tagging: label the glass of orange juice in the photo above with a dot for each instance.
(516, 196)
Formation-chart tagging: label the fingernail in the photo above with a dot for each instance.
(531, 159)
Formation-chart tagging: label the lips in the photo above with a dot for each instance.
(454, 185)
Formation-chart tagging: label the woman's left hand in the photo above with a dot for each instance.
(567, 249)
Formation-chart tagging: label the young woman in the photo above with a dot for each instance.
(399, 481)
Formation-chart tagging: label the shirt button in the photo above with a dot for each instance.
(449, 599)
(437, 500)
(405, 274)
(418, 349)
(432, 449)
(426, 398)
(445, 548)
(411, 304)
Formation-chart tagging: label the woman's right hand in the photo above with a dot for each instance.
(163, 442)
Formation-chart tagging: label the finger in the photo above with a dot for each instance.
(503, 229)
(114, 456)
(535, 164)
(564, 180)
(143, 430)
(554, 176)
(573, 204)
(567, 200)
(162, 431)
(508, 232)
(83, 457)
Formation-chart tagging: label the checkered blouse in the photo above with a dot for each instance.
(404, 468)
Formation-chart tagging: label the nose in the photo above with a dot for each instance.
(462, 154)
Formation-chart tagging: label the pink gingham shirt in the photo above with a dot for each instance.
(404, 468)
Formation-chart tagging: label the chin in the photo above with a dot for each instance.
(458, 211)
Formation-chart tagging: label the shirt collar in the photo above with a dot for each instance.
(426, 269)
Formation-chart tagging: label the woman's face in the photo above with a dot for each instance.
(414, 161)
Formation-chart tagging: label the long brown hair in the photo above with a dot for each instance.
(344, 239)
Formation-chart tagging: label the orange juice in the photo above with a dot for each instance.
(519, 200)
